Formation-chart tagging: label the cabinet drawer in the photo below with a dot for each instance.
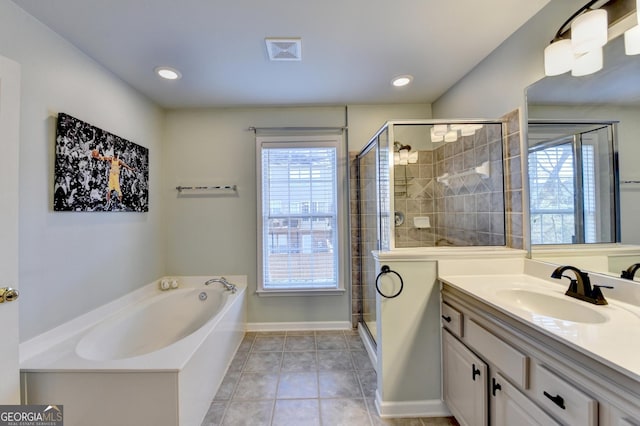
(452, 319)
(568, 404)
(511, 362)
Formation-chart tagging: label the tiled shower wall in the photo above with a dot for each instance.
(470, 209)
(463, 211)
(414, 196)
(514, 192)
(467, 213)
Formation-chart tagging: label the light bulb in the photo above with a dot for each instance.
(436, 138)
(451, 136)
(439, 130)
(558, 57)
(632, 40)
(468, 130)
(587, 63)
(589, 31)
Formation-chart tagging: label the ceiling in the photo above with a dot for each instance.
(351, 49)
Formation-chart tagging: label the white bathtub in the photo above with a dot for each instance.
(150, 358)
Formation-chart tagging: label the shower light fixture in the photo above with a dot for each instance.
(582, 53)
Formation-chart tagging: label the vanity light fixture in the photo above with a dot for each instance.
(402, 154)
(401, 80)
(588, 35)
(589, 31)
(449, 132)
(632, 40)
(582, 53)
(632, 36)
(451, 136)
(587, 63)
(168, 73)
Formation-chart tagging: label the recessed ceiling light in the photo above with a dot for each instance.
(168, 73)
(401, 80)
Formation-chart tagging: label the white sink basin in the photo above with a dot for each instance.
(555, 306)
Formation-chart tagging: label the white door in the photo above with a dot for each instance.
(9, 125)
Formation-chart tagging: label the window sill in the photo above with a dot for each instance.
(301, 292)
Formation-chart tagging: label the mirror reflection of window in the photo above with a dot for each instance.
(572, 183)
(551, 182)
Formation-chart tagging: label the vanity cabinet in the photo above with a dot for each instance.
(464, 382)
(512, 407)
(524, 376)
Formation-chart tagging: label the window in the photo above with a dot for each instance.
(298, 221)
(551, 182)
(560, 214)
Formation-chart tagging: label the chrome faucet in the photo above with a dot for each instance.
(630, 271)
(222, 280)
(580, 287)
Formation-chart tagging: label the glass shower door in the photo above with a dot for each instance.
(374, 216)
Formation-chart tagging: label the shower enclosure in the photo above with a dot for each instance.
(426, 183)
(573, 182)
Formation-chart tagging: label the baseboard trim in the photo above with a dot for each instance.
(299, 326)
(426, 408)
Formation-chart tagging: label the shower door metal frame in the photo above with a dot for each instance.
(374, 142)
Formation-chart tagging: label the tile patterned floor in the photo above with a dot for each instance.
(321, 378)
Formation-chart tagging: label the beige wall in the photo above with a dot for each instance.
(60, 253)
(70, 263)
(497, 85)
(216, 234)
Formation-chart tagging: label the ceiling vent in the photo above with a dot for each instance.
(284, 49)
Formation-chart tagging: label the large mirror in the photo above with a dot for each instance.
(601, 205)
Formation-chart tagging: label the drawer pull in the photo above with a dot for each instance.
(558, 400)
(446, 318)
(474, 372)
(495, 386)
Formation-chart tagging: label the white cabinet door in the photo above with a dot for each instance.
(513, 408)
(9, 125)
(465, 382)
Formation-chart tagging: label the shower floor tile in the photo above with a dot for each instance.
(300, 378)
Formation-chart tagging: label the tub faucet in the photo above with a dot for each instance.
(580, 287)
(630, 272)
(222, 280)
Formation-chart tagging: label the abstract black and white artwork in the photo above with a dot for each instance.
(97, 171)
